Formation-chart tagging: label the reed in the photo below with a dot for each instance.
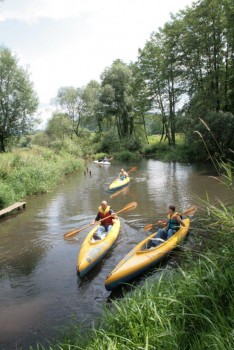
(223, 166)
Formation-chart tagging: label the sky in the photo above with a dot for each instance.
(70, 42)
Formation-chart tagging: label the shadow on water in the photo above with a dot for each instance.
(91, 275)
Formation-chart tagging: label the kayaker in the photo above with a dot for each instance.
(123, 174)
(104, 211)
(170, 227)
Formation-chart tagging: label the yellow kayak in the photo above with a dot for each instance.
(92, 251)
(140, 259)
(118, 184)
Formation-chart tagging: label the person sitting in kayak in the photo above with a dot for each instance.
(123, 175)
(104, 211)
(170, 227)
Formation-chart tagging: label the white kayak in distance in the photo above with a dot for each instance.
(102, 161)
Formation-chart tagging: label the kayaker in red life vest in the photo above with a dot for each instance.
(170, 227)
(104, 211)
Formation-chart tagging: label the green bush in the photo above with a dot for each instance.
(126, 156)
(132, 144)
(109, 143)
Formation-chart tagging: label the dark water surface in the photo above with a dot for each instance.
(39, 287)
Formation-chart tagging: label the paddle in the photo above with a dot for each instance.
(74, 232)
(123, 190)
(134, 168)
(189, 211)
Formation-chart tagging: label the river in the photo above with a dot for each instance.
(39, 288)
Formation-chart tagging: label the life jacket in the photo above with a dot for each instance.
(103, 214)
(172, 223)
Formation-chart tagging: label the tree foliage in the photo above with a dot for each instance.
(18, 100)
(116, 96)
(184, 72)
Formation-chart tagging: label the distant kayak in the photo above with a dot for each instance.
(118, 184)
(92, 251)
(140, 258)
(102, 162)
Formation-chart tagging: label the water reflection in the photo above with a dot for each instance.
(39, 287)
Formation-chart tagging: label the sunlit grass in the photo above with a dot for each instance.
(184, 310)
(28, 172)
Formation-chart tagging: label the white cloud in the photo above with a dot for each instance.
(70, 42)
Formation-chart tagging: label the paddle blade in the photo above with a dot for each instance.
(128, 207)
(132, 169)
(190, 211)
(148, 227)
(124, 190)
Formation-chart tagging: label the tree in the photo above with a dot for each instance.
(59, 126)
(117, 96)
(93, 108)
(72, 102)
(18, 100)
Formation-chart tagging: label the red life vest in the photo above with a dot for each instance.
(103, 214)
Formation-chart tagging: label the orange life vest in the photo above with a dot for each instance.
(172, 222)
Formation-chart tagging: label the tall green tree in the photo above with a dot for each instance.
(116, 96)
(158, 65)
(142, 98)
(205, 42)
(91, 96)
(59, 127)
(18, 101)
(72, 102)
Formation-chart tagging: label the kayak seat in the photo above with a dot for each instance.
(96, 238)
(154, 242)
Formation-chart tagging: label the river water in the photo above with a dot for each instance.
(39, 289)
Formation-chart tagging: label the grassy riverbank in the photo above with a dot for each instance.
(26, 172)
(190, 307)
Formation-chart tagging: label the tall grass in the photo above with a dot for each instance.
(29, 172)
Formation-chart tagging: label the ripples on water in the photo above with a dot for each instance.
(40, 290)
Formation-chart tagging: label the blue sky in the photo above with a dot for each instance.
(70, 42)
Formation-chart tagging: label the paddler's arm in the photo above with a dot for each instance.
(96, 220)
(178, 218)
(162, 223)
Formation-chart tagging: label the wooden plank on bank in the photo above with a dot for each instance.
(12, 207)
